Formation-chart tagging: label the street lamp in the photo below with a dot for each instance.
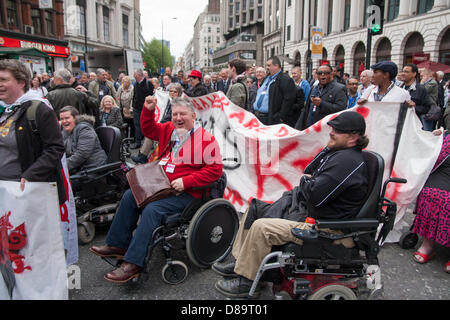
(162, 44)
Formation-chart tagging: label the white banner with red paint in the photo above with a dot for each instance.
(69, 218)
(32, 261)
(265, 161)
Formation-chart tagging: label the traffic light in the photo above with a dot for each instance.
(376, 16)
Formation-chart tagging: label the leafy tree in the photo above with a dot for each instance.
(152, 56)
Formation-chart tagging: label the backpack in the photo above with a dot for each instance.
(31, 115)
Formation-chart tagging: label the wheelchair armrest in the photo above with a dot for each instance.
(86, 173)
(212, 185)
(347, 224)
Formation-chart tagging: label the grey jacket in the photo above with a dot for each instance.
(83, 147)
(433, 90)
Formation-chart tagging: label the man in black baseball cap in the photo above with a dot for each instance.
(348, 130)
(334, 186)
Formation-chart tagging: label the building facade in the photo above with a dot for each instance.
(103, 34)
(31, 24)
(413, 30)
(242, 24)
(207, 36)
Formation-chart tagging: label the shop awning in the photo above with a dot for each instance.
(23, 52)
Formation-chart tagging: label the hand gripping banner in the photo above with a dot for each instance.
(264, 161)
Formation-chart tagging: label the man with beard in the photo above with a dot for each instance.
(334, 186)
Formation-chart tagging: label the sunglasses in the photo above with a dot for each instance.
(319, 73)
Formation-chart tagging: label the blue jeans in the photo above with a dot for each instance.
(428, 125)
(153, 215)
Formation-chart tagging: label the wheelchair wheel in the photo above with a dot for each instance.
(174, 272)
(408, 240)
(86, 232)
(211, 232)
(333, 292)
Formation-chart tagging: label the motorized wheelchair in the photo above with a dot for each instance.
(98, 191)
(205, 229)
(321, 270)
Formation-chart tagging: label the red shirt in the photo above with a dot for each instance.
(198, 162)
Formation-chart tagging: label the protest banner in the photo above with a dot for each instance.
(265, 161)
(32, 262)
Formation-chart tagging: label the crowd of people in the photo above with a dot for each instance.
(70, 107)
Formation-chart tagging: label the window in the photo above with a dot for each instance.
(330, 16)
(244, 4)
(49, 23)
(252, 15)
(209, 29)
(289, 3)
(11, 13)
(366, 15)
(259, 12)
(80, 13)
(288, 33)
(218, 29)
(393, 9)
(217, 40)
(230, 22)
(36, 21)
(230, 10)
(125, 29)
(238, 5)
(244, 17)
(106, 34)
(424, 6)
(347, 14)
(252, 3)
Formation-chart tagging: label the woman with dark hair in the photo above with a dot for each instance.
(36, 87)
(83, 148)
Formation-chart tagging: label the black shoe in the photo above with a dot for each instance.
(135, 146)
(140, 158)
(236, 287)
(225, 269)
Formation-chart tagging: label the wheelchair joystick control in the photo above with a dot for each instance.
(306, 235)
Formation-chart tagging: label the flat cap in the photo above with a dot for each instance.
(349, 121)
(386, 66)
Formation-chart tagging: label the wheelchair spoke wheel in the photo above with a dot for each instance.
(86, 232)
(174, 272)
(333, 292)
(211, 232)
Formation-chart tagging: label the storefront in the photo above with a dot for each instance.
(35, 59)
(57, 51)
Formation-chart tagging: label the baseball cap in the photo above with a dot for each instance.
(349, 121)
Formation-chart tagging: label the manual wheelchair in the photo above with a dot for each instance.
(98, 191)
(205, 229)
(321, 270)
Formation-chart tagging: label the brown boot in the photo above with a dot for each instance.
(125, 273)
(107, 251)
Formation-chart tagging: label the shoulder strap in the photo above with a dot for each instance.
(31, 115)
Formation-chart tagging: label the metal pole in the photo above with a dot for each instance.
(85, 39)
(162, 46)
(309, 60)
(368, 49)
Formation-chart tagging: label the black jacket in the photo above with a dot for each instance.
(282, 96)
(141, 91)
(197, 91)
(337, 190)
(334, 99)
(420, 97)
(40, 153)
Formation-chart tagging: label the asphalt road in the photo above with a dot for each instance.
(403, 279)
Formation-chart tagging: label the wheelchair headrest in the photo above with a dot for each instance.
(375, 170)
(110, 139)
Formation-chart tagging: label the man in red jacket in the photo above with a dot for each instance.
(191, 158)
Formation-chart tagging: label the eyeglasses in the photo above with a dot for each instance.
(319, 73)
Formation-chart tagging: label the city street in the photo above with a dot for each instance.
(403, 279)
